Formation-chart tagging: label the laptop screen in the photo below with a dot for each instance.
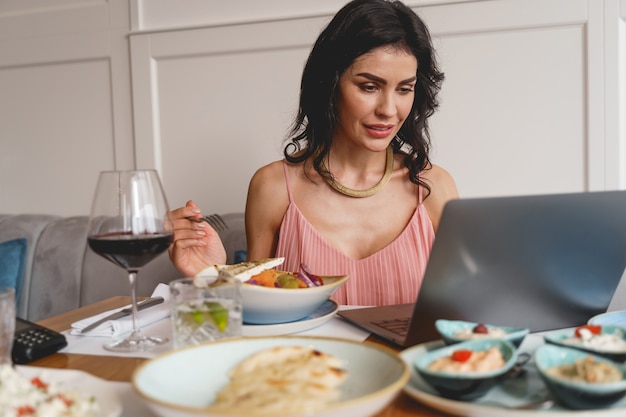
(542, 262)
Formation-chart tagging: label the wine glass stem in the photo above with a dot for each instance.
(132, 279)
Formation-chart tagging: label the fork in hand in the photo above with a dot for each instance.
(215, 220)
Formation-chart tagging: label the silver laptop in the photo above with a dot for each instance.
(542, 262)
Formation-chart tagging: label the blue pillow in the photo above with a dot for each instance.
(12, 264)
(240, 256)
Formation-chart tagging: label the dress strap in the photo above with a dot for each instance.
(420, 193)
(287, 181)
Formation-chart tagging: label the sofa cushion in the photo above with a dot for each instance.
(30, 227)
(12, 263)
(234, 237)
(56, 273)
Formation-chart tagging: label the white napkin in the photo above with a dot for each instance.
(114, 328)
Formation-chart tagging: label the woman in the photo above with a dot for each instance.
(356, 193)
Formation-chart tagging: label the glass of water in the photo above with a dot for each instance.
(201, 314)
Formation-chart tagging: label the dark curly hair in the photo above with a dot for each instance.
(359, 27)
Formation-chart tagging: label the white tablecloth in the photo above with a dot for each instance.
(86, 345)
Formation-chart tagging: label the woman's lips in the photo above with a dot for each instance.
(379, 131)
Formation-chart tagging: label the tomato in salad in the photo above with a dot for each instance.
(592, 328)
(461, 355)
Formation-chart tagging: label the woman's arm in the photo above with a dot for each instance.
(265, 207)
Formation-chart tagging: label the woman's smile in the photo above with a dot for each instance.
(380, 131)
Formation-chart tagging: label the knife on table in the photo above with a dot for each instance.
(152, 301)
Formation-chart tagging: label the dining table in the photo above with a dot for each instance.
(119, 369)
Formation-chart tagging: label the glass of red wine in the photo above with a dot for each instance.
(130, 225)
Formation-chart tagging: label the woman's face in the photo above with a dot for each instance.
(375, 97)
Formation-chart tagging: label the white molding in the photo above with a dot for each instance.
(596, 143)
(501, 15)
(239, 38)
(614, 59)
(617, 116)
(58, 18)
(152, 16)
(607, 95)
(146, 130)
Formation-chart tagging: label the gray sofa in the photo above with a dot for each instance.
(61, 273)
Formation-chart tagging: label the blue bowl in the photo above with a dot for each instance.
(560, 338)
(469, 385)
(572, 394)
(448, 329)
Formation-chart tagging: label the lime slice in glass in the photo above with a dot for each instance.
(218, 314)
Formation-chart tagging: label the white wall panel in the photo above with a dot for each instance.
(513, 117)
(534, 100)
(65, 103)
(213, 105)
(59, 116)
(221, 119)
(522, 108)
(514, 114)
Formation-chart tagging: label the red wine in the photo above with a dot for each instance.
(130, 251)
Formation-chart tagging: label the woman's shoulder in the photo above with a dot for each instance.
(271, 169)
(269, 175)
(438, 177)
(274, 173)
(268, 183)
(442, 189)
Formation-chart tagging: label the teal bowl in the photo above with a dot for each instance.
(573, 394)
(565, 338)
(449, 331)
(468, 385)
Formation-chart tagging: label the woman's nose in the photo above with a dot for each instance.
(386, 105)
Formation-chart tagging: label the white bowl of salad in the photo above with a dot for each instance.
(272, 296)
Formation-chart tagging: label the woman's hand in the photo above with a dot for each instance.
(196, 244)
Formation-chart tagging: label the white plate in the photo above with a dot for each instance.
(320, 316)
(497, 402)
(81, 382)
(615, 318)
(184, 382)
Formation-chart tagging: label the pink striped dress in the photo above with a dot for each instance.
(392, 275)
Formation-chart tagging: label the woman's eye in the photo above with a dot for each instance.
(368, 87)
(406, 90)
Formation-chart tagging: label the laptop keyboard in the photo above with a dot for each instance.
(399, 326)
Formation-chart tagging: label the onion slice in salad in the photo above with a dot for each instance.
(310, 278)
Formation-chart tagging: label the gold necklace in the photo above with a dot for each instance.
(370, 191)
